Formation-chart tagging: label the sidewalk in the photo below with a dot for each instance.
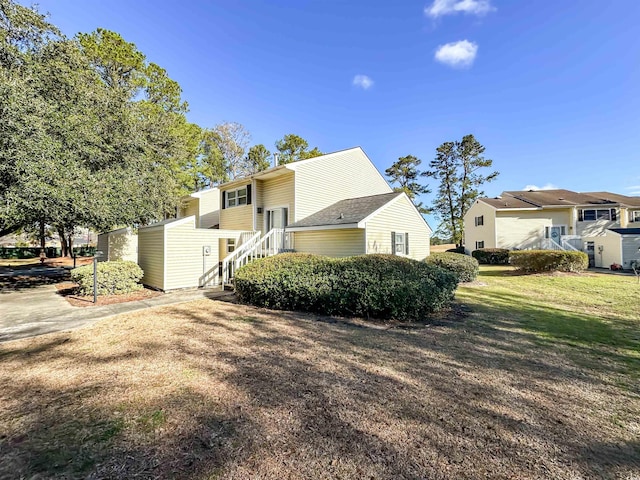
(40, 310)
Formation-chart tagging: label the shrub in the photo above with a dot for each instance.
(463, 266)
(549, 260)
(491, 256)
(113, 278)
(379, 286)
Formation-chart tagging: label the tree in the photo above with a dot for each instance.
(258, 158)
(293, 148)
(90, 133)
(405, 173)
(457, 167)
(231, 139)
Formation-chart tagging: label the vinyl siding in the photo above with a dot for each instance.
(186, 266)
(400, 216)
(332, 243)
(151, 256)
(209, 208)
(237, 218)
(524, 229)
(611, 249)
(481, 233)
(343, 175)
(190, 208)
(630, 245)
(275, 192)
(122, 246)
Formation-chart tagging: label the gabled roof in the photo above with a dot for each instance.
(287, 167)
(346, 213)
(626, 231)
(518, 199)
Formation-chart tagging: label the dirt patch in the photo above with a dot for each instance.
(68, 291)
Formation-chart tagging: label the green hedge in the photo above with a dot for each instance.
(532, 261)
(463, 266)
(114, 278)
(491, 256)
(378, 286)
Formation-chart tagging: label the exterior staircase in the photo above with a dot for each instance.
(565, 244)
(275, 241)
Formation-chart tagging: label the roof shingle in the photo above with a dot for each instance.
(345, 212)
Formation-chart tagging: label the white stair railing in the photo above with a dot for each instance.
(551, 244)
(567, 246)
(275, 241)
(229, 261)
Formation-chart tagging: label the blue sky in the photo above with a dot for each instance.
(551, 89)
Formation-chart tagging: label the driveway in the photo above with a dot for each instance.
(29, 308)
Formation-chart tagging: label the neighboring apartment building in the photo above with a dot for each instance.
(602, 224)
(336, 204)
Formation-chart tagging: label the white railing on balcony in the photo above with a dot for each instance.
(275, 241)
(250, 240)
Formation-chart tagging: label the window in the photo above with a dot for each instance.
(231, 245)
(591, 215)
(400, 243)
(479, 244)
(238, 197)
(634, 216)
(479, 220)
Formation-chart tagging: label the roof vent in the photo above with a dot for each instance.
(341, 216)
(561, 198)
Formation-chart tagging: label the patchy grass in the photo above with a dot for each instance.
(530, 376)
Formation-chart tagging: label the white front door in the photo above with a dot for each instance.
(555, 232)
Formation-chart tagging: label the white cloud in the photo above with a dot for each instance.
(451, 7)
(363, 82)
(634, 190)
(457, 54)
(547, 186)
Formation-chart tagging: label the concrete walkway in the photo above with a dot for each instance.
(40, 310)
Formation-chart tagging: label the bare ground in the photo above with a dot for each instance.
(217, 390)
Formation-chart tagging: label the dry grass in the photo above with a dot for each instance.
(216, 390)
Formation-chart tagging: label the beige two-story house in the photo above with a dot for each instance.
(602, 224)
(336, 205)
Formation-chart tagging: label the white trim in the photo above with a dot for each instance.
(324, 227)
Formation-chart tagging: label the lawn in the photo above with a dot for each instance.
(526, 377)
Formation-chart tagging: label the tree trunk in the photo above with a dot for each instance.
(70, 245)
(42, 235)
(63, 242)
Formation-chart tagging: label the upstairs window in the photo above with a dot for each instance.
(480, 221)
(238, 197)
(600, 214)
(479, 244)
(634, 216)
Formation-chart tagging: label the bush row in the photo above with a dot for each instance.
(533, 261)
(113, 278)
(463, 266)
(378, 286)
(491, 256)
